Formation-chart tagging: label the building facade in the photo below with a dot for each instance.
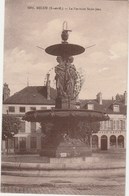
(112, 133)
(29, 137)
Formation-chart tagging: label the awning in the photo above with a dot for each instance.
(22, 135)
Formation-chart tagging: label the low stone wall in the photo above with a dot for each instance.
(75, 163)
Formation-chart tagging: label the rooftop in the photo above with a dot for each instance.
(37, 95)
(32, 95)
(106, 106)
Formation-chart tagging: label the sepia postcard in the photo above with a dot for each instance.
(64, 108)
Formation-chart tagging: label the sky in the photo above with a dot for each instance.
(104, 66)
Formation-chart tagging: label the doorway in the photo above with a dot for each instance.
(104, 142)
(95, 141)
(112, 141)
(121, 141)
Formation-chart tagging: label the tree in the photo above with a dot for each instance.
(10, 126)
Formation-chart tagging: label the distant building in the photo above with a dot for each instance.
(112, 133)
(30, 98)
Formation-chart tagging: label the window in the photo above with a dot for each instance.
(118, 124)
(22, 143)
(33, 142)
(122, 124)
(11, 143)
(101, 125)
(33, 127)
(94, 141)
(16, 143)
(107, 125)
(22, 109)
(11, 109)
(22, 126)
(42, 142)
(114, 124)
(90, 106)
(116, 108)
(111, 124)
(32, 108)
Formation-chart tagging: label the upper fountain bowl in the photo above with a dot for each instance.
(64, 49)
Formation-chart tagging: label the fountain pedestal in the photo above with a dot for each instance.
(65, 104)
(66, 146)
(66, 136)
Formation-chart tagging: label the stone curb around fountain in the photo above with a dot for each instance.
(83, 165)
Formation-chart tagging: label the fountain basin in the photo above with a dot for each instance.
(65, 139)
(77, 114)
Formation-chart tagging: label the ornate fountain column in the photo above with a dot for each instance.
(66, 74)
(66, 79)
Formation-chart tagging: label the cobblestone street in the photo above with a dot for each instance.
(108, 182)
(78, 190)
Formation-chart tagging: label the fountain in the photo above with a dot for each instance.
(67, 130)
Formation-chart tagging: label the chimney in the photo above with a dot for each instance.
(125, 98)
(48, 86)
(6, 92)
(99, 98)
